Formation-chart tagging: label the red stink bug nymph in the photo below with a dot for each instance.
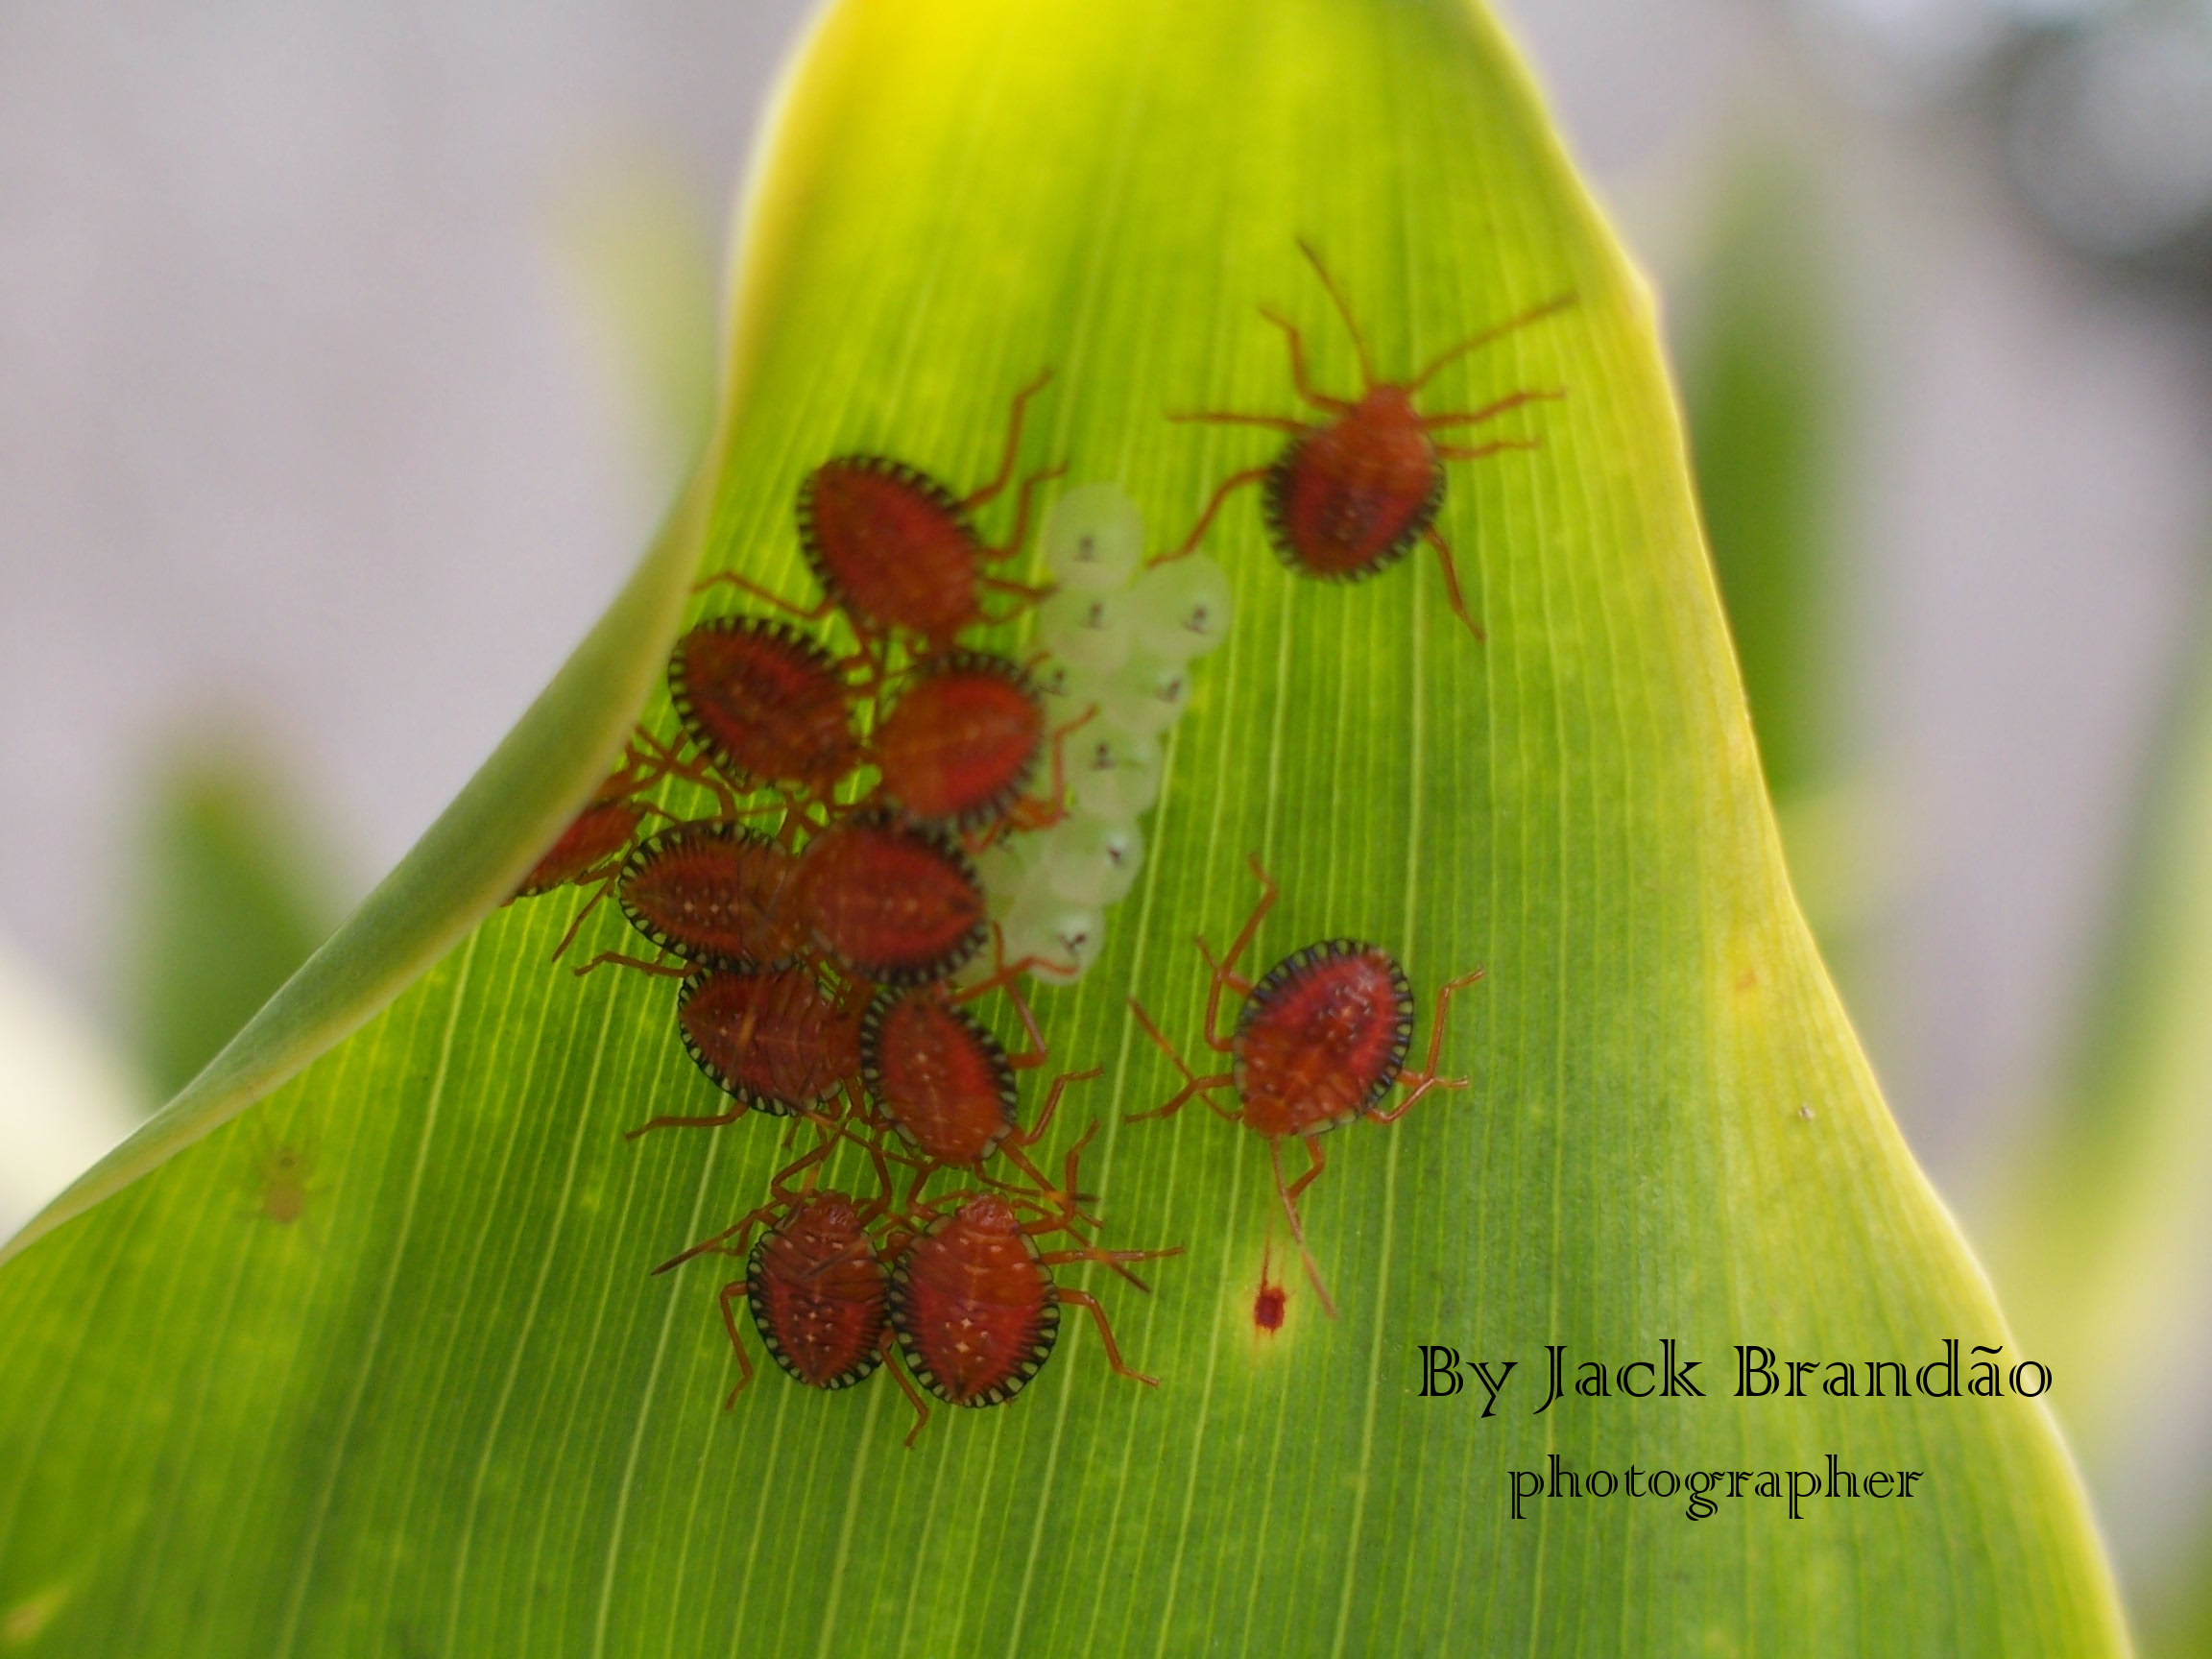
(767, 704)
(892, 904)
(776, 1042)
(590, 851)
(715, 894)
(819, 1294)
(1321, 1040)
(897, 549)
(1349, 495)
(817, 1289)
(976, 1310)
(947, 1085)
(601, 832)
(961, 741)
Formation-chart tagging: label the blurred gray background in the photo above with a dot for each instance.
(320, 441)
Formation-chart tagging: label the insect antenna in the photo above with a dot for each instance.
(714, 1242)
(1343, 310)
(668, 968)
(1474, 342)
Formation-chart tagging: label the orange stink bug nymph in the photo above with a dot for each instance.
(1350, 494)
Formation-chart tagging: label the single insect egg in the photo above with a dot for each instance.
(1003, 868)
(1114, 772)
(1089, 630)
(1093, 539)
(1066, 692)
(1063, 939)
(1149, 695)
(1182, 608)
(1093, 860)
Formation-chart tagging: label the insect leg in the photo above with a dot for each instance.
(882, 1201)
(1452, 593)
(1036, 1131)
(1001, 978)
(605, 881)
(923, 1169)
(730, 1294)
(1003, 973)
(1313, 1173)
(1290, 1197)
(1061, 1213)
(1032, 813)
(807, 1166)
(1197, 1087)
(1022, 507)
(1229, 485)
(1020, 590)
(665, 761)
(1084, 1299)
(1479, 452)
(1089, 1250)
(1236, 981)
(1013, 443)
(1061, 1206)
(898, 1376)
(1426, 1078)
(1194, 1085)
(1075, 1158)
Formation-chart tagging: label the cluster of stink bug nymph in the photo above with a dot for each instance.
(890, 832)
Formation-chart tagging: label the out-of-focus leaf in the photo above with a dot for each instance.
(1762, 395)
(642, 258)
(2101, 1233)
(232, 898)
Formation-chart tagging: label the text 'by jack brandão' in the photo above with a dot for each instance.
(1571, 1383)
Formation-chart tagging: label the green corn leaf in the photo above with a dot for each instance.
(381, 1368)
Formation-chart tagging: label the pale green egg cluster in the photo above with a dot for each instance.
(1120, 641)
